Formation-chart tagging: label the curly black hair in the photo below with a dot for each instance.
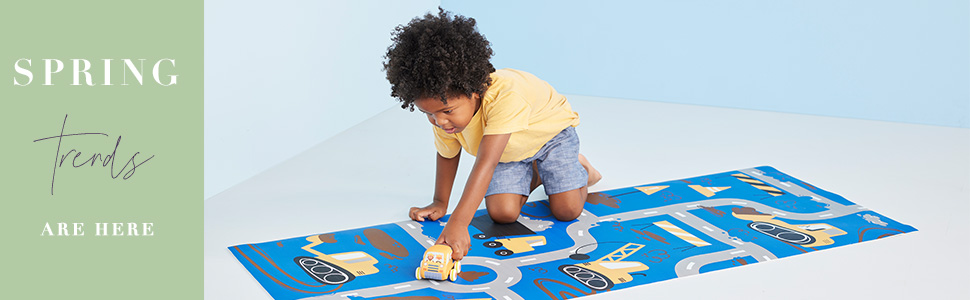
(437, 56)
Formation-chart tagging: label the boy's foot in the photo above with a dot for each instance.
(594, 175)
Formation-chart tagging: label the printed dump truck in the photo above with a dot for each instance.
(516, 245)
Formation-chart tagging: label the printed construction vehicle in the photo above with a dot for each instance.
(516, 245)
(602, 273)
(491, 229)
(437, 264)
(806, 235)
(335, 268)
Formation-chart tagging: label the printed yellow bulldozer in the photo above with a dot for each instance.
(806, 235)
(603, 273)
(335, 268)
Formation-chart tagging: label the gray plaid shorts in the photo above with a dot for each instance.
(557, 162)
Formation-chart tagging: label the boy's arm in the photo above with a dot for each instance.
(443, 181)
(455, 233)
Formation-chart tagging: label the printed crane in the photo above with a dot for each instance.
(603, 273)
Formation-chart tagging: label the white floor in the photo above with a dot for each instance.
(919, 175)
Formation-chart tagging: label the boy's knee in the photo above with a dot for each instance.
(503, 209)
(503, 218)
(566, 213)
(567, 206)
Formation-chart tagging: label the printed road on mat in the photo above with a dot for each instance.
(624, 238)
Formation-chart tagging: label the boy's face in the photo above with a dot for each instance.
(452, 117)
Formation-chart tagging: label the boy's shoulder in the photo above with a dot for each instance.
(508, 74)
(511, 79)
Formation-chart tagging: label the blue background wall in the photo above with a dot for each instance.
(281, 77)
(903, 61)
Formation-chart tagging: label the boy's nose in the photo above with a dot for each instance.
(441, 122)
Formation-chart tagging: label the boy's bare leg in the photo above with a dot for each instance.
(504, 208)
(567, 206)
(594, 175)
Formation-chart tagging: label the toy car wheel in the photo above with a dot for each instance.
(480, 236)
(417, 273)
(493, 244)
(453, 276)
(458, 266)
(503, 252)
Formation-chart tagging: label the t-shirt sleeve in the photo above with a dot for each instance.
(446, 144)
(508, 113)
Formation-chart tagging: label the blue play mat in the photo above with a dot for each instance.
(625, 237)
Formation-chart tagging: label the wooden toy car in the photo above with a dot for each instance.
(437, 264)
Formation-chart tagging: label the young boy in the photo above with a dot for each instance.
(518, 127)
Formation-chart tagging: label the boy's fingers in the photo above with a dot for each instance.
(457, 252)
(413, 213)
(418, 214)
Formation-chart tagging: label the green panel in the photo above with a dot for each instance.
(152, 120)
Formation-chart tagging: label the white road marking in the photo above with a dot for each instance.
(779, 213)
(492, 262)
(348, 295)
(528, 259)
(784, 183)
(412, 226)
(402, 286)
(693, 205)
(509, 280)
(825, 215)
(607, 219)
(506, 297)
(481, 288)
(649, 212)
(737, 242)
(708, 228)
(690, 265)
(766, 258)
(430, 242)
(581, 214)
(860, 207)
(435, 282)
(742, 203)
(736, 252)
(580, 233)
(680, 214)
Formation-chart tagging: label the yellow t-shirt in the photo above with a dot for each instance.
(518, 103)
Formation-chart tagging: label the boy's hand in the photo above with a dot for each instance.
(433, 211)
(457, 238)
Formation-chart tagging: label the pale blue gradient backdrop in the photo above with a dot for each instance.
(284, 76)
(902, 61)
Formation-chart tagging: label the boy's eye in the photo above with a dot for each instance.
(448, 111)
